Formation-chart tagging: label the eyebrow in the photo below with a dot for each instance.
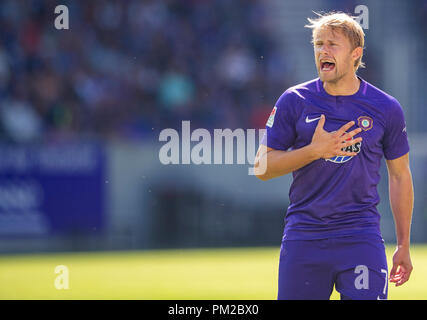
(330, 41)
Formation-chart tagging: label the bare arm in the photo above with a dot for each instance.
(271, 163)
(401, 202)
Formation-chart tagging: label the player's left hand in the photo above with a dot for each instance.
(402, 266)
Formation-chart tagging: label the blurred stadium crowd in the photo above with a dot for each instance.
(125, 68)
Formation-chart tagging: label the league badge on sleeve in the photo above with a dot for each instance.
(271, 118)
(365, 123)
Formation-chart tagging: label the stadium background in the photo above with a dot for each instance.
(81, 111)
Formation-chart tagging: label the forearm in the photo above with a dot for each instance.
(278, 163)
(401, 201)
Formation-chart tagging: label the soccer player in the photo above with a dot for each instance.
(331, 133)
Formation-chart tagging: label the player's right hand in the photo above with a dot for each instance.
(330, 144)
(402, 266)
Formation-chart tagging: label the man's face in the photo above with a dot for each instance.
(333, 54)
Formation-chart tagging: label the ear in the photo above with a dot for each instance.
(357, 53)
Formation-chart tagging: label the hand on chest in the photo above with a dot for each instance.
(371, 132)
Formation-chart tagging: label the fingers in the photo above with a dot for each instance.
(344, 128)
(321, 122)
(351, 134)
(400, 276)
(403, 279)
(341, 132)
(393, 271)
(345, 144)
(346, 153)
(340, 138)
(350, 142)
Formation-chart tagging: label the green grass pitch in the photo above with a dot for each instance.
(241, 273)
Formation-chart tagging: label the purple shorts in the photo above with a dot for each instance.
(356, 265)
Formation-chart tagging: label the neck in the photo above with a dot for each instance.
(346, 86)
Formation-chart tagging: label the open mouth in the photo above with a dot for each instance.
(327, 66)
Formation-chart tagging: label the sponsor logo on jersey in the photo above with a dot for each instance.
(352, 148)
(271, 118)
(365, 123)
(307, 120)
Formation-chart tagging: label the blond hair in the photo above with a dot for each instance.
(348, 26)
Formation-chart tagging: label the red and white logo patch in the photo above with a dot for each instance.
(271, 118)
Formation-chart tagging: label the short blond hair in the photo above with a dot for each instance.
(348, 26)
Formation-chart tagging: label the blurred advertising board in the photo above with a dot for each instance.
(51, 188)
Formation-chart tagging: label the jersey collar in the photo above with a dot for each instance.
(360, 92)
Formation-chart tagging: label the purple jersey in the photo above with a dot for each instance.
(338, 196)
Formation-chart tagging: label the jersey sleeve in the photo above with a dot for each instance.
(280, 131)
(395, 142)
